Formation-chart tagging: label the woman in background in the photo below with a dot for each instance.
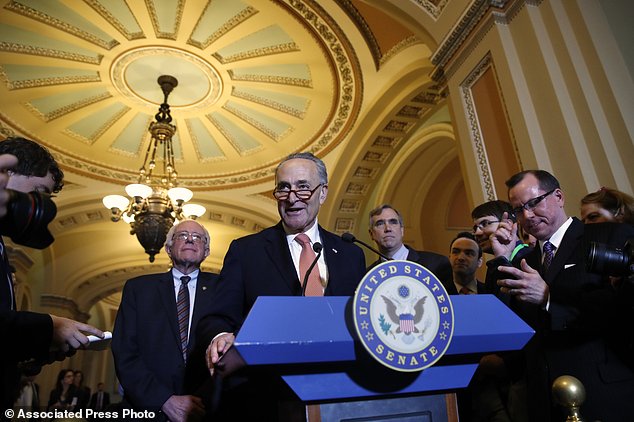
(63, 396)
(607, 205)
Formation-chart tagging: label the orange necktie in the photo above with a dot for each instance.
(306, 258)
(465, 291)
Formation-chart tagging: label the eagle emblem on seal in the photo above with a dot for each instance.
(405, 311)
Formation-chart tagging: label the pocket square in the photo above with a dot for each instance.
(568, 266)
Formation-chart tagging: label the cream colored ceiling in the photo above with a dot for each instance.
(256, 81)
(348, 80)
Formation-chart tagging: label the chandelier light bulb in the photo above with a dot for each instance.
(180, 194)
(127, 218)
(138, 189)
(116, 201)
(193, 210)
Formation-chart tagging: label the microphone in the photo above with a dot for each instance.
(349, 237)
(317, 247)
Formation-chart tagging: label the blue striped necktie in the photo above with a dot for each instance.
(182, 310)
(549, 253)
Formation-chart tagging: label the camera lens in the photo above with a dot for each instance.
(603, 259)
(27, 218)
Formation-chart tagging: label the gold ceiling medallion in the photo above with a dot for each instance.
(129, 76)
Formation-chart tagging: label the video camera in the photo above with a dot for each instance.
(606, 260)
(27, 218)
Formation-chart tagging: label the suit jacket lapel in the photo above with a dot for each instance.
(567, 246)
(334, 258)
(204, 288)
(165, 288)
(277, 249)
(412, 255)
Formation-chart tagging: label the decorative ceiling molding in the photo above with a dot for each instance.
(458, 35)
(174, 19)
(365, 30)
(131, 33)
(474, 24)
(229, 24)
(23, 9)
(377, 154)
(239, 112)
(402, 45)
(479, 149)
(433, 7)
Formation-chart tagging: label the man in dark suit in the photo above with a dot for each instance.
(100, 399)
(387, 230)
(496, 231)
(32, 335)
(486, 397)
(154, 344)
(465, 257)
(575, 313)
(270, 263)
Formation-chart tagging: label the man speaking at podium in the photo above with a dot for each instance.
(274, 262)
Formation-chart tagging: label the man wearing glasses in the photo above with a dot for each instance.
(154, 340)
(496, 231)
(387, 230)
(272, 263)
(576, 314)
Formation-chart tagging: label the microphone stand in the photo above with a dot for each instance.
(349, 237)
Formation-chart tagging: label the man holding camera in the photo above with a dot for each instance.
(27, 167)
(577, 315)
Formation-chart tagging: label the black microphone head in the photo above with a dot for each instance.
(348, 237)
(317, 247)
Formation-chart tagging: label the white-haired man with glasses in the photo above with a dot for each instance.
(156, 357)
(577, 315)
(273, 263)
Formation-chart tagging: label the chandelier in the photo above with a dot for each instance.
(155, 202)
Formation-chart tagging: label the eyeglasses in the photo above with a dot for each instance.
(531, 204)
(184, 236)
(483, 224)
(302, 194)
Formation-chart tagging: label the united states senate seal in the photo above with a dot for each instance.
(403, 315)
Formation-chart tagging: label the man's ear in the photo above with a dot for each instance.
(323, 194)
(559, 194)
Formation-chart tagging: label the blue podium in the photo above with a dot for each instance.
(338, 379)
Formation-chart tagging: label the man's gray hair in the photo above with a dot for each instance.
(321, 167)
(169, 240)
(378, 210)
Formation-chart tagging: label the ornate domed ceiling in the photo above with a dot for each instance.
(257, 81)
(349, 80)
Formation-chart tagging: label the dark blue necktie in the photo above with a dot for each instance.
(549, 253)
